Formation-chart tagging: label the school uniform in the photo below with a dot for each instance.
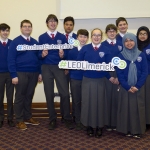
(26, 66)
(75, 84)
(131, 106)
(119, 37)
(5, 81)
(51, 71)
(93, 86)
(111, 101)
(146, 51)
(73, 35)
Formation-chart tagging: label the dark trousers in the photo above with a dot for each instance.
(49, 74)
(25, 88)
(76, 98)
(61, 107)
(6, 81)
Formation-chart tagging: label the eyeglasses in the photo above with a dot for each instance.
(97, 35)
(143, 34)
(26, 27)
(52, 21)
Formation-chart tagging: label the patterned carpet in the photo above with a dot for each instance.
(40, 138)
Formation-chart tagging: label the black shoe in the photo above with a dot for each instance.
(137, 136)
(11, 123)
(90, 131)
(98, 133)
(52, 125)
(62, 120)
(69, 124)
(1, 124)
(78, 126)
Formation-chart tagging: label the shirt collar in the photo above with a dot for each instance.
(122, 35)
(70, 34)
(49, 32)
(3, 40)
(79, 48)
(25, 37)
(109, 41)
(96, 45)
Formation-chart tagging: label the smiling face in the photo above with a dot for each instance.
(4, 34)
(122, 27)
(142, 35)
(129, 44)
(26, 29)
(111, 34)
(96, 36)
(52, 25)
(82, 39)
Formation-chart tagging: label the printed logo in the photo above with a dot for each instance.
(19, 47)
(139, 59)
(73, 41)
(101, 54)
(121, 64)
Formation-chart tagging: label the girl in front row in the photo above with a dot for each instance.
(131, 102)
(93, 84)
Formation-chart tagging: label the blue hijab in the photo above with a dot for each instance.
(131, 55)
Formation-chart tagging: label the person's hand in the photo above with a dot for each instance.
(61, 53)
(15, 80)
(112, 79)
(66, 72)
(130, 90)
(134, 89)
(44, 52)
(40, 78)
(116, 81)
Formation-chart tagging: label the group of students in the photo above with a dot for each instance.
(118, 100)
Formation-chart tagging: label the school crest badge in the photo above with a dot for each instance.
(148, 51)
(139, 59)
(119, 47)
(101, 54)
(59, 41)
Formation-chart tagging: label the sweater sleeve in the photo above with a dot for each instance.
(144, 72)
(12, 53)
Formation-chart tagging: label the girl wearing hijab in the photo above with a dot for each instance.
(131, 103)
(93, 84)
(143, 40)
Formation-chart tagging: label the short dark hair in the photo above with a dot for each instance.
(25, 21)
(4, 26)
(120, 19)
(83, 32)
(51, 16)
(97, 29)
(69, 18)
(109, 27)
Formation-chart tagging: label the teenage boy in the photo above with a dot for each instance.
(122, 26)
(68, 27)
(51, 72)
(111, 103)
(76, 77)
(5, 79)
(24, 68)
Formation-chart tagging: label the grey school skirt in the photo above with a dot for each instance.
(93, 97)
(131, 112)
(147, 99)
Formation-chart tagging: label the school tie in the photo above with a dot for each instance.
(111, 43)
(52, 35)
(28, 39)
(96, 48)
(4, 43)
(67, 36)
